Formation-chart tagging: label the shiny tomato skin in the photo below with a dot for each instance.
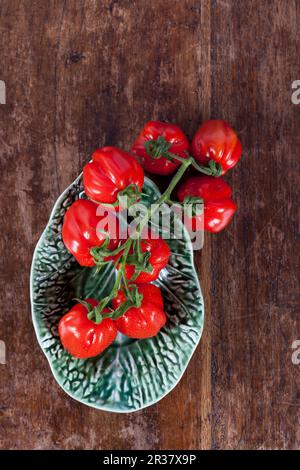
(218, 214)
(83, 338)
(160, 254)
(146, 320)
(173, 134)
(111, 171)
(216, 140)
(79, 231)
(219, 207)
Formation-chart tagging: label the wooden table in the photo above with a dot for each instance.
(81, 74)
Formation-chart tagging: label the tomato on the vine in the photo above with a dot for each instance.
(83, 338)
(218, 204)
(173, 135)
(113, 173)
(144, 321)
(216, 140)
(80, 232)
(156, 251)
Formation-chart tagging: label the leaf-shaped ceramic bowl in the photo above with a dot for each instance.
(130, 374)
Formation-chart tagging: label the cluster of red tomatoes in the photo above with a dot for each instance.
(135, 307)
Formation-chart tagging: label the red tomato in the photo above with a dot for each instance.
(146, 320)
(83, 338)
(110, 172)
(79, 231)
(171, 133)
(159, 257)
(216, 140)
(218, 204)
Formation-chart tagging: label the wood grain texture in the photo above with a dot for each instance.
(81, 74)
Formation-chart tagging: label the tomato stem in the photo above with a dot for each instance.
(165, 197)
(121, 273)
(160, 148)
(156, 149)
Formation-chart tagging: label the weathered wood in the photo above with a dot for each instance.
(81, 74)
(254, 265)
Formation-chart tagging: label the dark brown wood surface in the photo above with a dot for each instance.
(81, 74)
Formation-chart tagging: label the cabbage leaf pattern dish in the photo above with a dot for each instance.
(130, 374)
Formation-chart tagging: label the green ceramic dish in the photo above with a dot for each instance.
(130, 374)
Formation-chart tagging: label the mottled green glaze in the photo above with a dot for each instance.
(130, 374)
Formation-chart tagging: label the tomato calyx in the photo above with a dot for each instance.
(125, 198)
(129, 196)
(100, 312)
(194, 205)
(159, 147)
(102, 256)
(141, 263)
(138, 261)
(94, 313)
(99, 253)
(212, 169)
(133, 299)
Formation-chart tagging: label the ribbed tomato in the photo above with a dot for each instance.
(80, 231)
(217, 198)
(179, 145)
(113, 173)
(144, 321)
(83, 338)
(216, 140)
